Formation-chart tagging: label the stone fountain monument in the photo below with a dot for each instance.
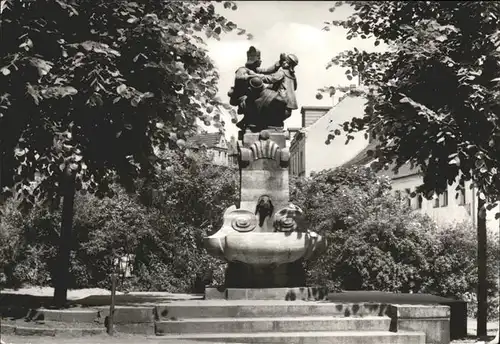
(264, 239)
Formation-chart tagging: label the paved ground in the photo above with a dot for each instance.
(93, 340)
(130, 340)
(48, 292)
(101, 296)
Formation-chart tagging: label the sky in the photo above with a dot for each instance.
(291, 27)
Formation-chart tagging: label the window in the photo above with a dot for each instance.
(436, 201)
(397, 194)
(408, 197)
(461, 197)
(445, 199)
(420, 201)
(301, 162)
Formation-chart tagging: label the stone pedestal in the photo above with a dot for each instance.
(265, 240)
(241, 275)
(433, 320)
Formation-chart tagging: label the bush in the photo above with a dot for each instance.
(455, 268)
(377, 243)
(29, 246)
(164, 232)
(11, 243)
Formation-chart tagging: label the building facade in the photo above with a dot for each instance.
(453, 205)
(309, 150)
(214, 144)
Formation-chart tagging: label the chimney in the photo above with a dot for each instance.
(292, 132)
(335, 99)
(334, 96)
(310, 114)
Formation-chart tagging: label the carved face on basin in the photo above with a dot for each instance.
(289, 219)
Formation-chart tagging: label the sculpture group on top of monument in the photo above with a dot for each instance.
(265, 96)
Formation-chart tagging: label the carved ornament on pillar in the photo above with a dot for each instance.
(264, 149)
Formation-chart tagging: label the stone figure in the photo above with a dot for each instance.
(264, 208)
(265, 96)
(238, 93)
(284, 82)
(290, 218)
(264, 107)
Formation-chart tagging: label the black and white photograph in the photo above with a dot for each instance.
(249, 172)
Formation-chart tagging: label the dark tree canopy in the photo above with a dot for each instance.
(92, 87)
(434, 96)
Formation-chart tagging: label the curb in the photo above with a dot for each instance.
(50, 332)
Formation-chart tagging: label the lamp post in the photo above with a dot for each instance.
(121, 267)
(114, 278)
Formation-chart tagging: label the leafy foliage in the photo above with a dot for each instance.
(433, 98)
(191, 189)
(94, 86)
(378, 243)
(457, 276)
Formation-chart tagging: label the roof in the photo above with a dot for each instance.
(404, 171)
(314, 107)
(209, 140)
(362, 158)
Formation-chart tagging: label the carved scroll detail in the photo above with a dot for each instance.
(264, 149)
(240, 220)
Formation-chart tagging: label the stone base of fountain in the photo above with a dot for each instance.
(240, 275)
(265, 239)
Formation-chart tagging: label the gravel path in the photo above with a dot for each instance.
(127, 340)
(93, 340)
(83, 293)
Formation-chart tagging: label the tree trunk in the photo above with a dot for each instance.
(482, 288)
(496, 340)
(62, 275)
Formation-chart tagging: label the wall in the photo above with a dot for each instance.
(298, 156)
(319, 155)
(219, 156)
(311, 114)
(457, 209)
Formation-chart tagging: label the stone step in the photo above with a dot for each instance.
(253, 308)
(51, 329)
(278, 324)
(72, 315)
(339, 337)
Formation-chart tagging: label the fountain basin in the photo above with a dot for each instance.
(261, 248)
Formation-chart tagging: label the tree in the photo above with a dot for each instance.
(376, 241)
(90, 88)
(189, 198)
(162, 231)
(192, 190)
(434, 97)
